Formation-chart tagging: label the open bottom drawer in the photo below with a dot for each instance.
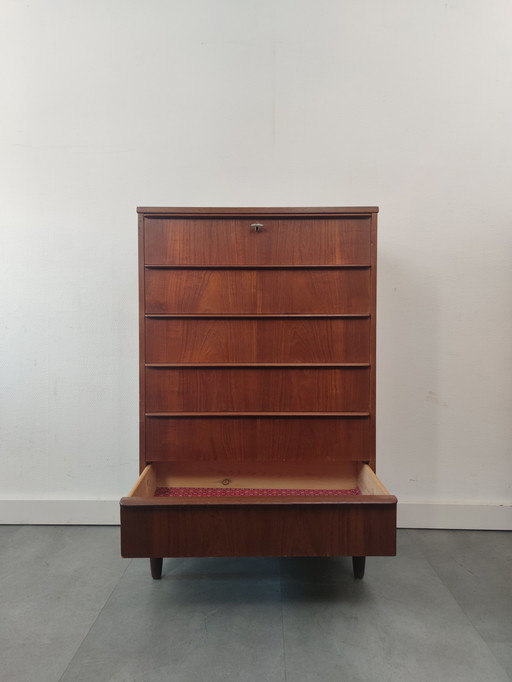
(319, 518)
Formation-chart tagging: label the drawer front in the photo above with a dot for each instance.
(257, 291)
(253, 340)
(257, 390)
(258, 439)
(233, 241)
(357, 529)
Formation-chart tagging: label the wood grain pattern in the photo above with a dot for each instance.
(258, 340)
(368, 482)
(217, 530)
(267, 475)
(373, 341)
(260, 382)
(142, 349)
(258, 291)
(233, 241)
(146, 483)
(258, 439)
(257, 390)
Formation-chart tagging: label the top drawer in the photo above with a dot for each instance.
(279, 241)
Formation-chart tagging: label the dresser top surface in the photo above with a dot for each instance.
(261, 210)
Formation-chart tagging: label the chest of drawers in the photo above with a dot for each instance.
(257, 387)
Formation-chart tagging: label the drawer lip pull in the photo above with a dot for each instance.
(260, 414)
(258, 266)
(256, 365)
(259, 316)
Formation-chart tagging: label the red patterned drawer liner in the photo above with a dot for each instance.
(254, 492)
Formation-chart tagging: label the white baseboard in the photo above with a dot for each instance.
(454, 515)
(106, 512)
(60, 512)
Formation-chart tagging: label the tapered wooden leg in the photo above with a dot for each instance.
(156, 568)
(358, 564)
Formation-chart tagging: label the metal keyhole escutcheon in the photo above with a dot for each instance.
(256, 226)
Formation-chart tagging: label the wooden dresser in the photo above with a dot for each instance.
(257, 387)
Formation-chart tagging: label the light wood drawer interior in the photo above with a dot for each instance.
(340, 476)
(279, 520)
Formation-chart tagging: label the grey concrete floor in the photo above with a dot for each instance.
(72, 610)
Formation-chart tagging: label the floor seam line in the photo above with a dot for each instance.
(468, 618)
(94, 621)
(282, 618)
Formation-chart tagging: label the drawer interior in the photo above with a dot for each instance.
(207, 483)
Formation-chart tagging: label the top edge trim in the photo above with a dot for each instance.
(321, 210)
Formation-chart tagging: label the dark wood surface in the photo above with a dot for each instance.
(258, 439)
(142, 347)
(295, 340)
(151, 211)
(257, 389)
(278, 242)
(258, 291)
(156, 567)
(257, 346)
(358, 564)
(258, 530)
(373, 342)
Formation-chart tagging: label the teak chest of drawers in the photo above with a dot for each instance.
(257, 387)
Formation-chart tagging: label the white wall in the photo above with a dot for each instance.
(108, 105)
